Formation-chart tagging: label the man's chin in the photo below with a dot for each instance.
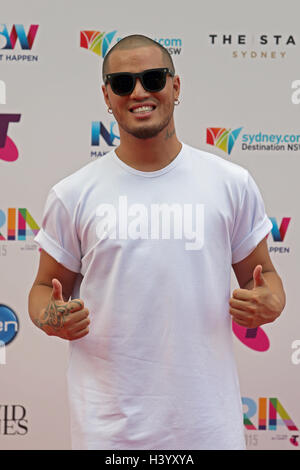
(145, 133)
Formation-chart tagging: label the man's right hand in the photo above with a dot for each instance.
(67, 320)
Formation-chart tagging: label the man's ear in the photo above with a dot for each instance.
(176, 86)
(105, 94)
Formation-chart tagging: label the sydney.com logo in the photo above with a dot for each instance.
(225, 139)
(99, 42)
(15, 37)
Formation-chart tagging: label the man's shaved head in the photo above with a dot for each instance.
(132, 42)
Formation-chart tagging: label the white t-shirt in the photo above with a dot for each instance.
(154, 252)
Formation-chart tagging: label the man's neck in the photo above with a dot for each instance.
(150, 154)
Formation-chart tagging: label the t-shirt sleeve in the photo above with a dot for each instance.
(58, 236)
(251, 222)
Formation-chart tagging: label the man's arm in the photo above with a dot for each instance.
(49, 306)
(261, 297)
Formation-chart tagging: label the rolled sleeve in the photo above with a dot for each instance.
(58, 235)
(251, 223)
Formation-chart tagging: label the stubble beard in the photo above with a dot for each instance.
(148, 132)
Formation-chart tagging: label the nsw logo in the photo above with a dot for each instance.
(109, 136)
(278, 233)
(105, 138)
(96, 41)
(18, 33)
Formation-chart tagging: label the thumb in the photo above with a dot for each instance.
(258, 278)
(57, 290)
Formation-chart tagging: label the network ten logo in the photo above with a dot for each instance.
(266, 414)
(18, 33)
(9, 327)
(109, 137)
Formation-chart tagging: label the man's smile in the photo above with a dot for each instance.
(142, 110)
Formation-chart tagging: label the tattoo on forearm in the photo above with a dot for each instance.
(169, 134)
(55, 315)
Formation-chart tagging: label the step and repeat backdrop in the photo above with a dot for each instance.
(240, 99)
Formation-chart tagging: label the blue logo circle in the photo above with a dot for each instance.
(9, 324)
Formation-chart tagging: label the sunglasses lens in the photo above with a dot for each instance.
(154, 80)
(121, 84)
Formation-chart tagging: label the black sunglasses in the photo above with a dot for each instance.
(123, 83)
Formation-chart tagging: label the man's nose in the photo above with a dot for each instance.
(139, 91)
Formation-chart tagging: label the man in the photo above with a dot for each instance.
(145, 239)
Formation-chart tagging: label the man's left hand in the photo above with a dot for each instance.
(254, 307)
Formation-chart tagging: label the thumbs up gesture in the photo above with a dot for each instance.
(67, 320)
(254, 307)
(258, 278)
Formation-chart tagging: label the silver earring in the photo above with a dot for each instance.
(109, 110)
(176, 102)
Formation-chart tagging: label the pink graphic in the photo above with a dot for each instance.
(253, 338)
(294, 441)
(9, 152)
